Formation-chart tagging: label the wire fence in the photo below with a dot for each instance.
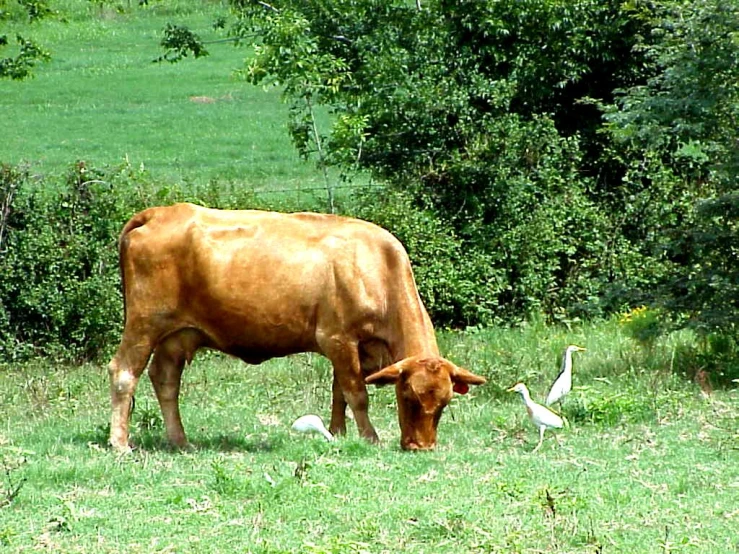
(320, 195)
(298, 190)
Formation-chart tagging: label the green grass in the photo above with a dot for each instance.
(647, 463)
(101, 99)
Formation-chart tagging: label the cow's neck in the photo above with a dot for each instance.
(417, 340)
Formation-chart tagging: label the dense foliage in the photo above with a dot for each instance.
(680, 131)
(60, 290)
(59, 265)
(490, 115)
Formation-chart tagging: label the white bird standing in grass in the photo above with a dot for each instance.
(563, 383)
(312, 424)
(540, 416)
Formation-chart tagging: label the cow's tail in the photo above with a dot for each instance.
(138, 220)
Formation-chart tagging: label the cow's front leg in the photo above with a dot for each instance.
(165, 373)
(356, 396)
(348, 373)
(338, 409)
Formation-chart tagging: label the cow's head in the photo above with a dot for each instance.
(424, 387)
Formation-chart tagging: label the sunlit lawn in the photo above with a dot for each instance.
(101, 99)
(647, 463)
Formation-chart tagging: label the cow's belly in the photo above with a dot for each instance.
(255, 355)
(255, 335)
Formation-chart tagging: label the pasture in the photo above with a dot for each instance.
(648, 462)
(101, 99)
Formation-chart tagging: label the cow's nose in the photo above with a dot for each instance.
(415, 446)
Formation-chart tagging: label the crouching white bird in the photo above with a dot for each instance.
(540, 416)
(563, 383)
(312, 424)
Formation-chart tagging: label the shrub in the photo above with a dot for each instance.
(59, 264)
(715, 357)
(643, 325)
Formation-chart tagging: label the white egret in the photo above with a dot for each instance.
(563, 383)
(312, 424)
(540, 416)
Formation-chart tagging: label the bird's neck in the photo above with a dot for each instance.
(567, 362)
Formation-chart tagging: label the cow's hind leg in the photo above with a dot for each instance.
(125, 369)
(165, 373)
(345, 359)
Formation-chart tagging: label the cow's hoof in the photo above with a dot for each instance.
(372, 439)
(122, 449)
(337, 431)
(414, 447)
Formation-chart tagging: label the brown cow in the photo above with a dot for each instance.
(259, 285)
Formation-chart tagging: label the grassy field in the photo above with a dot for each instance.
(647, 464)
(101, 99)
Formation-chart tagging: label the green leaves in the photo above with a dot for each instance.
(20, 66)
(179, 42)
(474, 108)
(684, 120)
(59, 266)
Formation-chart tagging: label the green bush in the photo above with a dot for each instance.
(59, 291)
(643, 325)
(715, 357)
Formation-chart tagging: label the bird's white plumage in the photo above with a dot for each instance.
(543, 418)
(563, 383)
(312, 424)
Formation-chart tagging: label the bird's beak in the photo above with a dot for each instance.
(511, 389)
(581, 349)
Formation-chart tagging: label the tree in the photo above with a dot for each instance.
(476, 108)
(490, 116)
(685, 120)
(20, 66)
(29, 53)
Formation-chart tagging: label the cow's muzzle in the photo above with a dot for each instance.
(413, 445)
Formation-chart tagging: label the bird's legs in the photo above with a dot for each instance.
(541, 438)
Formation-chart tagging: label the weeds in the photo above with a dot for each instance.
(12, 483)
(6, 536)
(148, 418)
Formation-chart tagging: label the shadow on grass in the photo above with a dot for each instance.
(156, 441)
(232, 443)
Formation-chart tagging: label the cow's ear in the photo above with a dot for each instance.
(385, 376)
(462, 379)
